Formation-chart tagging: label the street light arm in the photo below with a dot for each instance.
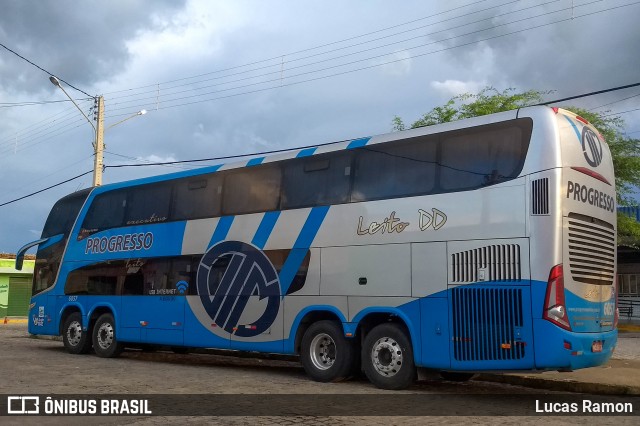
(141, 112)
(57, 83)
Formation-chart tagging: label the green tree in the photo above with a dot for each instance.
(625, 151)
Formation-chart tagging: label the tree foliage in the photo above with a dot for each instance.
(625, 151)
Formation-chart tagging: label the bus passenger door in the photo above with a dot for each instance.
(153, 303)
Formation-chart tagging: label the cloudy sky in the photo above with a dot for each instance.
(236, 77)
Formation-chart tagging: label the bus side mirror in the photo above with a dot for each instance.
(23, 249)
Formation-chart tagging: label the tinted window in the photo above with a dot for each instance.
(99, 279)
(64, 213)
(197, 197)
(148, 204)
(106, 211)
(136, 277)
(253, 189)
(324, 179)
(399, 170)
(46, 266)
(482, 156)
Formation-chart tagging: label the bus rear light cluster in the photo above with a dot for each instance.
(555, 309)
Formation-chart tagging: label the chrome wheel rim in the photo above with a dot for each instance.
(322, 351)
(105, 335)
(387, 357)
(74, 333)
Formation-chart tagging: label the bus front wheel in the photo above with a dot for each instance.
(387, 357)
(74, 338)
(326, 355)
(105, 343)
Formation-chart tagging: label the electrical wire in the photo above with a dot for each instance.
(280, 64)
(615, 102)
(279, 77)
(42, 69)
(151, 107)
(46, 189)
(302, 50)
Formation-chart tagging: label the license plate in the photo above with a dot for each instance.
(596, 346)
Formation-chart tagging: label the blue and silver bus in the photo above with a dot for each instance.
(482, 244)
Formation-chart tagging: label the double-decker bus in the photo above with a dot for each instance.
(482, 244)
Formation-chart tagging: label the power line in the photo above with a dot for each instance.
(591, 94)
(29, 103)
(281, 64)
(46, 189)
(621, 112)
(303, 50)
(615, 102)
(275, 150)
(42, 69)
(156, 99)
(375, 65)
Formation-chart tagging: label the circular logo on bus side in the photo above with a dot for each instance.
(229, 273)
(591, 147)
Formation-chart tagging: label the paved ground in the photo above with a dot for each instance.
(41, 366)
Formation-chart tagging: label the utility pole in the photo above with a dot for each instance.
(99, 143)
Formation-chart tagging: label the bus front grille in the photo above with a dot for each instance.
(592, 250)
(487, 324)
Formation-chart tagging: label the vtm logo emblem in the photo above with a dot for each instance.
(591, 147)
(228, 274)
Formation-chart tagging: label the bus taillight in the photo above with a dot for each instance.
(555, 309)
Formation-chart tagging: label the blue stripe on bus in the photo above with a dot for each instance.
(306, 152)
(357, 143)
(255, 161)
(301, 246)
(264, 230)
(224, 225)
(575, 128)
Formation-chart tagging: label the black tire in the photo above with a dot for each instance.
(105, 343)
(326, 355)
(387, 357)
(454, 376)
(75, 339)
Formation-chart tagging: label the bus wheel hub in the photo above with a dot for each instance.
(386, 356)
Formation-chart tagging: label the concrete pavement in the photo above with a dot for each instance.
(620, 376)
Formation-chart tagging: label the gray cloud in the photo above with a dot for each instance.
(107, 47)
(81, 42)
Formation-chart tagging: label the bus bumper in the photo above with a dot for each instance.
(558, 349)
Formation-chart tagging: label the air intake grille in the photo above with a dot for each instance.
(592, 250)
(540, 196)
(487, 324)
(498, 263)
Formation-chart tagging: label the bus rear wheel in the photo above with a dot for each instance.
(74, 338)
(387, 357)
(105, 343)
(326, 355)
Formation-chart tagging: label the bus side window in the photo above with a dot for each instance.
(197, 198)
(472, 159)
(148, 204)
(316, 181)
(400, 170)
(106, 211)
(253, 189)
